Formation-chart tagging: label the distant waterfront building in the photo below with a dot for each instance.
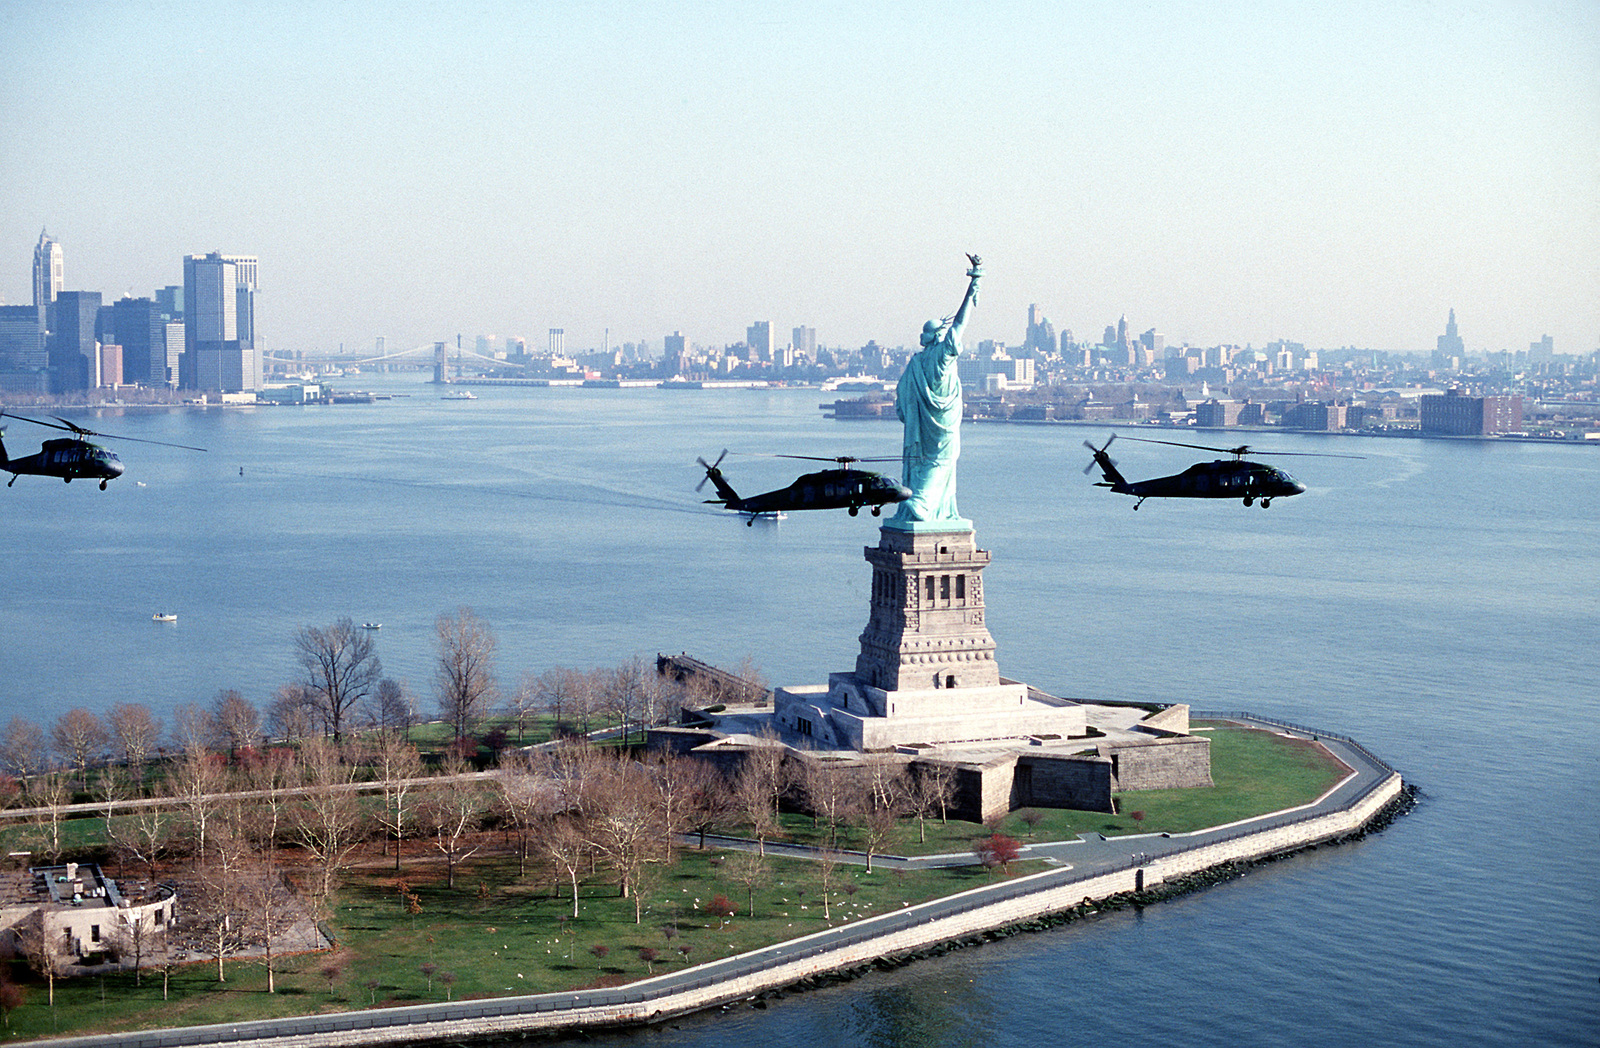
(110, 364)
(1542, 351)
(1455, 414)
(24, 363)
(558, 341)
(1313, 415)
(219, 331)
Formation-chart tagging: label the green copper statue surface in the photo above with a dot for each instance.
(928, 401)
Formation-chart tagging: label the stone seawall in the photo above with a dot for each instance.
(915, 928)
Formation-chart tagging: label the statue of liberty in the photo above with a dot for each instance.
(928, 401)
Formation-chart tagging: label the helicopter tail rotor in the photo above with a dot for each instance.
(1098, 452)
(710, 468)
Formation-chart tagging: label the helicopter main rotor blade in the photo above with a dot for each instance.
(1245, 449)
(74, 428)
(843, 460)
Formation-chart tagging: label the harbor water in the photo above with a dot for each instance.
(1437, 600)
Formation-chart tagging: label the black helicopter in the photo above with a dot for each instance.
(1221, 479)
(842, 488)
(70, 458)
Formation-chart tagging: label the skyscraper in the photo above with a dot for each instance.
(219, 330)
(758, 337)
(73, 354)
(805, 342)
(48, 276)
(138, 327)
(1450, 344)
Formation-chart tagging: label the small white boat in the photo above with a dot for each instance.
(372, 625)
(164, 616)
(460, 394)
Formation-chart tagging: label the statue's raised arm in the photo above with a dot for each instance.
(928, 401)
(958, 324)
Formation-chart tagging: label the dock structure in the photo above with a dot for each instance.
(717, 685)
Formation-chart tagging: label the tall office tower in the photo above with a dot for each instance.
(48, 276)
(71, 341)
(138, 327)
(174, 353)
(558, 338)
(758, 337)
(219, 329)
(1450, 344)
(673, 359)
(805, 342)
(23, 360)
(170, 299)
(1542, 351)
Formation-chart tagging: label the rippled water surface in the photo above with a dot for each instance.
(1436, 600)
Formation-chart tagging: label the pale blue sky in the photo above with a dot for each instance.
(1332, 173)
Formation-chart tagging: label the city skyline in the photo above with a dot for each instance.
(1344, 176)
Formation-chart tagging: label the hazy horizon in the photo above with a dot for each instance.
(1343, 175)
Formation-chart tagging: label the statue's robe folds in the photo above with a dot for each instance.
(928, 401)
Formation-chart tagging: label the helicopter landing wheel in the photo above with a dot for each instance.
(102, 485)
(66, 480)
(877, 511)
(1249, 500)
(855, 511)
(1265, 503)
(750, 521)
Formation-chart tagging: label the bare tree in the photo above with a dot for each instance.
(760, 784)
(294, 713)
(192, 727)
(136, 733)
(524, 788)
(555, 689)
(465, 670)
(623, 694)
(523, 702)
(623, 820)
(80, 737)
(341, 665)
(749, 868)
(391, 707)
(328, 815)
(23, 749)
(40, 949)
(237, 722)
(398, 766)
(196, 779)
(932, 789)
(50, 792)
(452, 811)
(888, 797)
(835, 793)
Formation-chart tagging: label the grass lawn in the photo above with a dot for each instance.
(498, 934)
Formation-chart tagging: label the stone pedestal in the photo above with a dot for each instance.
(926, 673)
(926, 629)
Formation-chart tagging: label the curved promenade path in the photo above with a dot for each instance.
(1091, 868)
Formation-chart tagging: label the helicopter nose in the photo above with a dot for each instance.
(901, 492)
(1299, 488)
(114, 466)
